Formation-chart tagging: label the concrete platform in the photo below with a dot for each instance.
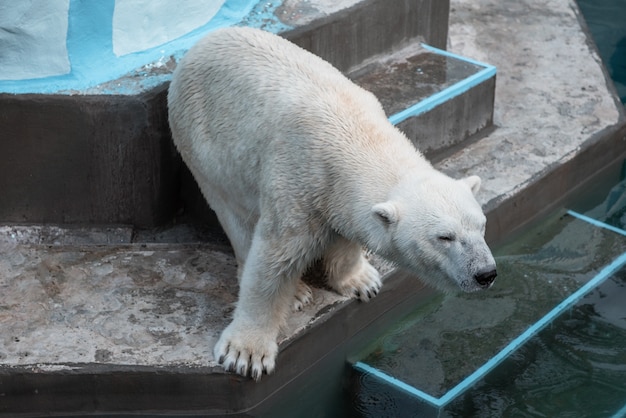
(438, 99)
(129, 323)
(557, 116)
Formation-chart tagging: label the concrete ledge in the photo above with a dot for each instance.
(373, 27)
(90, 388)
(108, 159)
(436, 98)
(600, 156)
(87, 159)
(452, 123)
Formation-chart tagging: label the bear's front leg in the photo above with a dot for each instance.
(268, 283)
(349, 273)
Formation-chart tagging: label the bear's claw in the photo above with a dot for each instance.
(364, 282)
(370, 294)
(246, 353)
(303, 296)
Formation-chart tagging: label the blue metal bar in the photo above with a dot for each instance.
(448, 93)
(596, 222)
(398, 384)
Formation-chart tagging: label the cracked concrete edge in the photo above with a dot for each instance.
(550, 111)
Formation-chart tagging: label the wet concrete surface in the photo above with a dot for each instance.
(412, 75)
(66, 299)
(111, 303)
(459, 92)
(134, 304)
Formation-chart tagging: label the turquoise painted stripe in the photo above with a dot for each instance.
(443, 96)
(93, 62)
(535, 328)
(398, 384)
(621, 413)
(479, 373)
(596, 222)
(459, 57)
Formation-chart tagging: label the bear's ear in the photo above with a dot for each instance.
(386, 213)
(473, 182)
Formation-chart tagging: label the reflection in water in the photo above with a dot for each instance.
(613, 209)
(575, 367)
(445, 341)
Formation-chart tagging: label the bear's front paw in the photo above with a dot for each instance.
(363, 282)
(246, 351)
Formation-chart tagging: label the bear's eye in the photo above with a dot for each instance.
(446, 238)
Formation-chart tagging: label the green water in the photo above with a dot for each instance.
(435, 351)
(607, 23)
(575, 367)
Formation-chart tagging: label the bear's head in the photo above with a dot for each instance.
(434, 227)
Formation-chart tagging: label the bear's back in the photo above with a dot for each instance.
(250, 110)
(262, 62)
(244, 73)
(240, 93)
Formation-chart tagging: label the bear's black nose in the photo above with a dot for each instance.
(485, 278)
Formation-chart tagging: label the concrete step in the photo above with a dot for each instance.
(115, 328)
(102, 154)
(87, 159)
(438, 99)
(109, 159)
(367, 28)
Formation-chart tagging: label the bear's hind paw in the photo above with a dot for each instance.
(303, 296)
(364, 283)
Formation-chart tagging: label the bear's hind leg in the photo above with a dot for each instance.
(239, 228)
(348, 272)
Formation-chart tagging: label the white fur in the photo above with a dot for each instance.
(299, 164)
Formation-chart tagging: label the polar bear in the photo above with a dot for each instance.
(301, 164)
